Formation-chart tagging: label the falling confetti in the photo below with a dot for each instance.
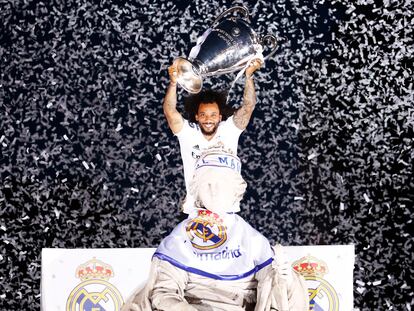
(84, 146)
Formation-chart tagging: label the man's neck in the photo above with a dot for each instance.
(209, 137)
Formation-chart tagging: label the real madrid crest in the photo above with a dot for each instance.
(94, 293)
(206, 231)
(322, 295)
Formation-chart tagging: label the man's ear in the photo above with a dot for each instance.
(221, 117)
(196, 117)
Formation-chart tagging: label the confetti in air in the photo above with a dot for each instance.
(87, 159)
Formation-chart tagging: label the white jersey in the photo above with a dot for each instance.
(193, 143)
(219, 247)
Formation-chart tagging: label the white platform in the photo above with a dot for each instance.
(128, 268)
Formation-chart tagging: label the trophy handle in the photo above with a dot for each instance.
(237, 8)
(269, 39)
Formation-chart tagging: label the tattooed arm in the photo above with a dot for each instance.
(174, 118)
(243, 114)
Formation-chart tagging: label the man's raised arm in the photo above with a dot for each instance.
(243, 114)
(174, 118)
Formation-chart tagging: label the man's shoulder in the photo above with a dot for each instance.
(228, 128)
(188, 127)
(228, 120)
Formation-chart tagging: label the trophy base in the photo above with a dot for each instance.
(187, 76)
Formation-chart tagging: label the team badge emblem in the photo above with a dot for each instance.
(206, 231)
(322, 295)
(94, 293)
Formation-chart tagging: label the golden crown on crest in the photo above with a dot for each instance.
(210, 217)
(310, 266)
(94, 269)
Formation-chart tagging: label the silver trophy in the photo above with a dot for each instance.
(227, 46)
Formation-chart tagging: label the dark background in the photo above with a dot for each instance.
(87, 159)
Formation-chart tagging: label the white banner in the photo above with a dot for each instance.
(328, 271)
(102, 279)
(92, 279)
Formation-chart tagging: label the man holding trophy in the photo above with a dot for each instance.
(210, 128)
(214, 260)
(229, 45)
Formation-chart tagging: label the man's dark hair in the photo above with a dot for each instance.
(192, 102)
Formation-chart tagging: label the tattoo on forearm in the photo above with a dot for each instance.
(170, 100)
(242, 115)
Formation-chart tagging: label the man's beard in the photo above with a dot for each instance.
(209, 132)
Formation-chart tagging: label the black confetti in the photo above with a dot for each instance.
(87, 159)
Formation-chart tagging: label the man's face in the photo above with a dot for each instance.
(208, 118)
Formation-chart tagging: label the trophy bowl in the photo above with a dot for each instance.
(227, 46)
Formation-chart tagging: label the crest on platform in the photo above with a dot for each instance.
(94, 293)
(322, 295)
(206, 231)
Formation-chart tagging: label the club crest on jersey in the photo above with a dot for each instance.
(322, 295)
(206, 231)
(94, 293)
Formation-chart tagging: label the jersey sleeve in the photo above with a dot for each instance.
(187, 131)
(231, 127)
